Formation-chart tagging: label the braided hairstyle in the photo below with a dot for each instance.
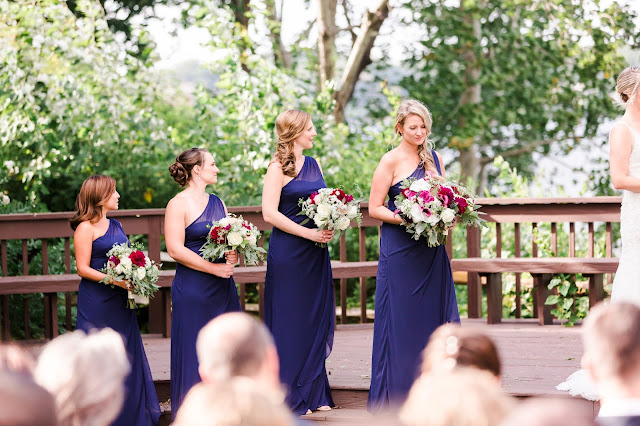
(627, 85)
(289, 125)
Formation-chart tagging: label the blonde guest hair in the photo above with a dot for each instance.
(627, 85)
(413, 107)
(289, 125)
(85, 374)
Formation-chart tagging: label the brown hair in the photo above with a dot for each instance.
(627, 84)
(95, 191)
(611, 337)
(413, 107)
(185, 162)
(289, 125)
(451, 346)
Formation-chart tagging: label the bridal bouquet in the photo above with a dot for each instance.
(130, 263)
(331, 208)
(430, 206)
(233, 233)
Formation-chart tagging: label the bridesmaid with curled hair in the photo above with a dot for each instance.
(299, 299)
(201, 290)
(105, 306)
(414, 286)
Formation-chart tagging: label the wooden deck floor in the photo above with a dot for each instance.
(535, 359)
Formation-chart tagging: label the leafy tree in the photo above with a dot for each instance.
(512, 77)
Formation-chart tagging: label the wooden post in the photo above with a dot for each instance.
(156, 305)
(474, 286)
(343, 281)
(596, 289)
(541, 282)
(494, 298)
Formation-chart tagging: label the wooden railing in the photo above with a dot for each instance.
(19, 229)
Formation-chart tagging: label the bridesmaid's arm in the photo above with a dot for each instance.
(382, 180)
(620, 146)
(174, 226)
(273, 183)
(82, 243)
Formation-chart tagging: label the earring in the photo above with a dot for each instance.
(400, 133)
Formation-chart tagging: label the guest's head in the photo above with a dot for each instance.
(611, 337)
(236, 402)
(194, 165)
(15, 359)
(293, 127)
(236, 344)
(551, 412)
(452, 346)
(462, 397)
(97, 196)
(85, 374)
(413, 125)
(23, 402)
(628, 85)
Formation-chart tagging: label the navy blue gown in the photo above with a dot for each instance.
(100, 306)
(415, 294)
(299, 301)
(196, 299)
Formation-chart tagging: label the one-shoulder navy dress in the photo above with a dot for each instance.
(196, 298)
(299, 301)
(415, 294)
(101, 306)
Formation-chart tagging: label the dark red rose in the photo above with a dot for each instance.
(312, 198)
(137, 258)
(115, 260)
(462, 204)
(446, 195)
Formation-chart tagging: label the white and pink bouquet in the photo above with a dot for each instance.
(430, 206)
(331, 208)
(233, 233)
(130, 263)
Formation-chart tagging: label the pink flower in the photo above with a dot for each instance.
(407, 193)
(426, 197)
(349, 198)
(446, 195)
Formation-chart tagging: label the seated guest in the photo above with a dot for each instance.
(235, 402)
(458, 397)
(450, 346)
(85, 374)
(15, 359)
(611, 337)
(236, 344)
(23, 402)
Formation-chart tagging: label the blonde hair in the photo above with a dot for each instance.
(627, 84)
(413, 107)
(289, 125)
(85, 374)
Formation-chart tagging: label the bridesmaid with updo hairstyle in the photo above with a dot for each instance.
(298, 301)
(201, 290)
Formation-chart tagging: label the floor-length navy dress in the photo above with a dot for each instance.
(299, 301)
(415, 294)
(101, 306)
(196, 298)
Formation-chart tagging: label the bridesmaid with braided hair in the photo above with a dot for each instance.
(299, 298)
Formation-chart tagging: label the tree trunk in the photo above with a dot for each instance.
(326, 40)
(281, 55)
(240, 12)
(469, 156)
(359, 57)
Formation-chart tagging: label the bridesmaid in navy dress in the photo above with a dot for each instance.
(414, 286)
(100, 305)
(299, 300)
(201, 290)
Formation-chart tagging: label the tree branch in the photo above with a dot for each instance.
(350, 26)
(281, 55)
(360, 55)
(326, 39)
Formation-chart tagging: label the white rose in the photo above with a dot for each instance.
(252, 239)
(140, 272)
(353, 211)
(119, 269)
(343, 223)
(147, 262)
(224, 221)
(420, 185)
(324, 210)
(433, 219)
(5, 200)
(234, 238)
(126, 264)
(319, 221)
(448, 215)
(417, 214)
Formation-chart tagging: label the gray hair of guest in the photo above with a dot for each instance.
(231, 345)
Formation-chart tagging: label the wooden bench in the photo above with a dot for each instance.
(50, 285)
(542, 270)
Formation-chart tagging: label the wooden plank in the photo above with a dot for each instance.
(25, 259)
(572, 239)
(3, 255)
(516, 253)
(343, 281)
(544, 311)
(362, 257)
(474, 286)
(539, 265)
(494, 298)
(596, 289)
